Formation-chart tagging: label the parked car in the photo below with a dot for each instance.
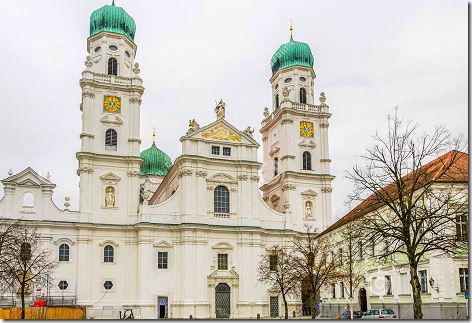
(347, 316)
(379, 313)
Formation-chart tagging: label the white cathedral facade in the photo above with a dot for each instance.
(183, 238)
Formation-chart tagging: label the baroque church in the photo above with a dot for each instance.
(184, 238)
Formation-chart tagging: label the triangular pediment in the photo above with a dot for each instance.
(221, 131)
(28, 177)
(110, 177)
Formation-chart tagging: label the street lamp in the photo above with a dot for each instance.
(431, 282)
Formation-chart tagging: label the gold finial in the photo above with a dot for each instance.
(154, 134)
(291, 28)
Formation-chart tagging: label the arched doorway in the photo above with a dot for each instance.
(222, 301)
(363, 300)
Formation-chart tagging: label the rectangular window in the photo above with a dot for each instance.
(340, 255)
(215, 150)
(360, 251)
(162, 260)
(333, 286)
(341, 286)
(222, 261)
(372, 246)
(388, 285)
(462, 229)
(404, 283)
(424, 281)
(226, 151)
(386, 245)
(464, 279)
(273, 263)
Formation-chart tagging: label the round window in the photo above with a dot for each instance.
(97, 49)
(113, 48)
(302, 79)
(108, 285)
(127, 54)
(288, 80)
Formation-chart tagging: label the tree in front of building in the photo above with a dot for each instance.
(350, 264)
(276, 271)
(418, 186)
(312, 262)
(30, 265)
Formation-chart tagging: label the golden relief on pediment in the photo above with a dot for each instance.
(221, 133)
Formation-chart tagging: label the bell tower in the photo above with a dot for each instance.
(296, 172)
(109, 158)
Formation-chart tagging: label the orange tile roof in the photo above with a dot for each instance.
(458, 172)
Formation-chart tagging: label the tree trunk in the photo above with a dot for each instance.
(286, 306)
(350, 308)
(23, 301)
(416, 288)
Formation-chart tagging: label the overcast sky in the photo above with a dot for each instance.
(370, 56)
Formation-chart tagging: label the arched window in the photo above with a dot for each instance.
(108, 254)
(25, 251)
(276, 166)
(276, 101)
(221, 203)
(28, 199)
(112, 66)
(302, 95)
(64, 252)
(306, 160)
(111, 140)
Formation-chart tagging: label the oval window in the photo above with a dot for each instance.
(127, 54)
(97, 49)
(302, 79)
(113, 48)
(288, 80)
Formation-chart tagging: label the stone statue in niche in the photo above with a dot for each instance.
(308, 210)
(110, 196)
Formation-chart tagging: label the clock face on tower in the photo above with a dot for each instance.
(111, 104)
(306, 129)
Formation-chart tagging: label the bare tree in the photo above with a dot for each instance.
(350, 265)
(416, 203)
(312, 262)
(275, 270)
(8, 237)
(30, 265)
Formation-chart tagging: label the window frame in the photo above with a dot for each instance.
(306, 161)
(106, 254)
(66, 252)
(302, 95)
(221, 203)
(113, 68)
(222, 259)
(215, 148)
(462, 228)
(423, 281)
(463, 278)
(273, 262)
(162, 260)
(113, 141)
(227, 149)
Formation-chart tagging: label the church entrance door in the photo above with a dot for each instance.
(222, 301)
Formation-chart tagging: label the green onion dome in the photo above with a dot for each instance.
(291, 54)
(156, 162)
(112, 19)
